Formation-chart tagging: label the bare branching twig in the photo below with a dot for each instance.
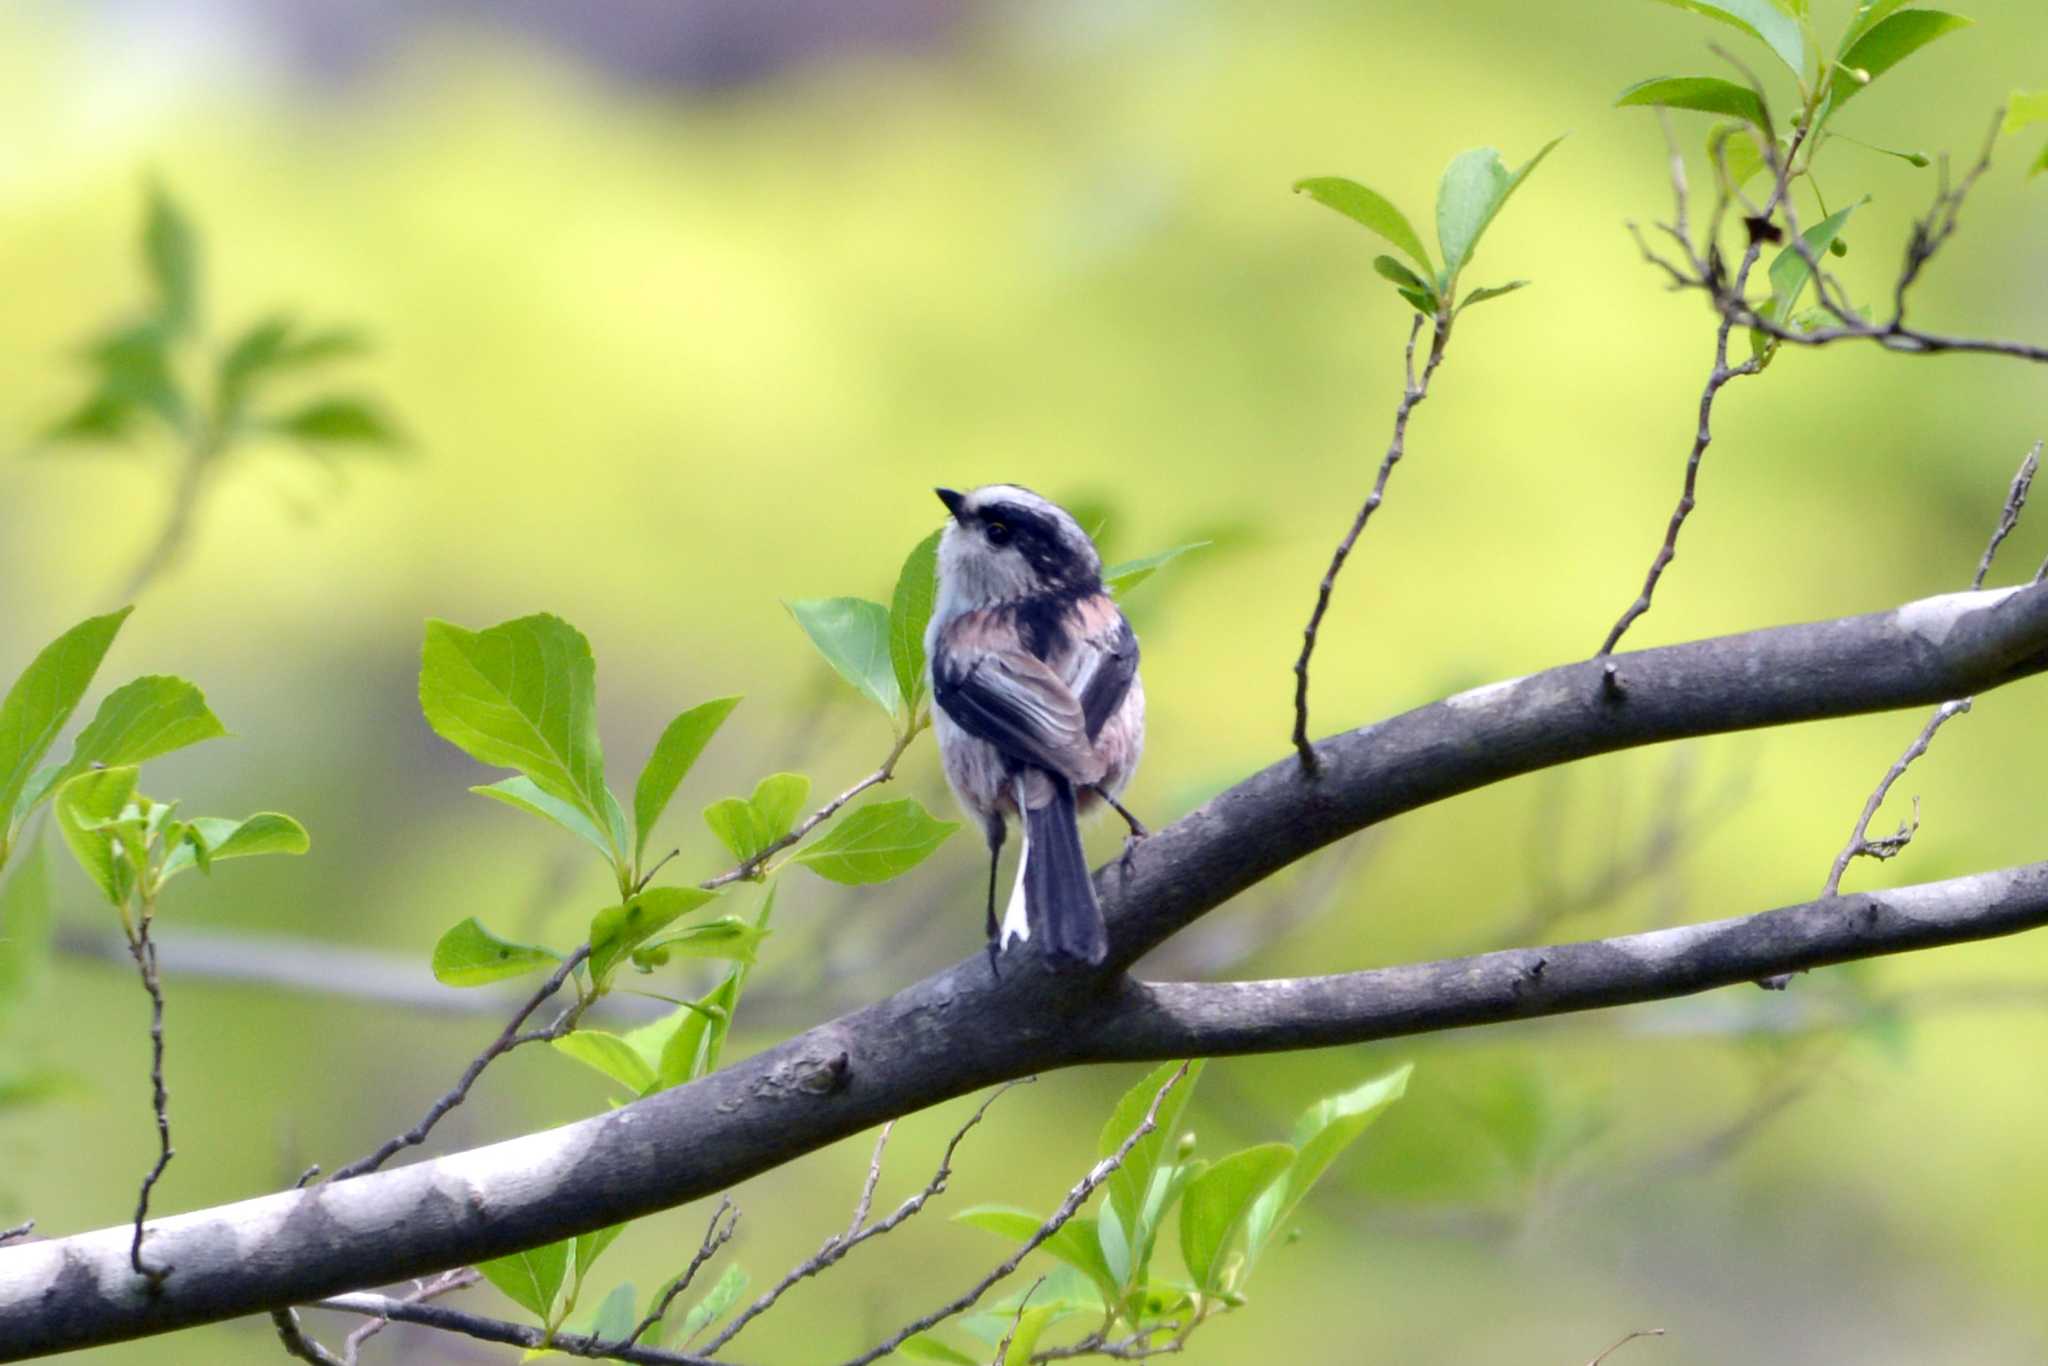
(1699, 266)
(1860, 844)
(716, 1236)
(859, 1231)
(508, 1039)
(1413, 392)
(1068, 1208)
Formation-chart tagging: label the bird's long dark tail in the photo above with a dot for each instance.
(1059, 896)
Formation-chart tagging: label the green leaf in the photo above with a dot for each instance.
(1122, 578)
(1888, 43)
(1370, 208)
(728, 937)
(521, 695)
(853, 635)
(86, 807)
(1770, 23)
(1408, 284)
(1388, 268)
(104, 415)
(266, 348)
(1485, 292)
(2040, 163)
(1324, 1131)
(1217, 1204)
(615, 1316)
(910, 611)
(530, 1279)
(1076, 1242)
(334, 420)
(24, 927)
(134, 365)
(170, 251)
(1131, 1184)
(1734, 153)
(925, 1347)
(590, 1246)
(612, 1055)
(876, 842)
(1868, 14)
(471, 956)
(693, 1047)
(521, 792)
(616, 931)
(140, 720)
(674, 755)
(1707, 94)
(2024, 109)
(1425, 304)
(45, 695)
(1474, 187)
(749, 825)
(1789, 271)
(213, 838)
(713, 1307)
(1030, 1327)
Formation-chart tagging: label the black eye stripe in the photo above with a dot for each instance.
(1022, 521)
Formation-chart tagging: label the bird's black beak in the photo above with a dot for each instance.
(952, 498)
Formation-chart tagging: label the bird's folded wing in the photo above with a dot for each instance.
(1013, 701)
(1103, 663)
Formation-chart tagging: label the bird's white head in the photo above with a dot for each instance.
(1006, 542)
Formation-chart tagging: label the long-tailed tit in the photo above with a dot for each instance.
(1039, 710)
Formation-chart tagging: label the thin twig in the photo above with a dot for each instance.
(1069, 1207)
(297, 1342)
(1016, 1321)
(1412, 392)
(1707, 268)
(172, 540)
(1639, 1333)
(751, 867)
(511, 1334)
(2009, 516)
(446, 1283)
(1860, 844)
(508, 1039)
(715, 1237)
(839, 1244)
(1136, 1347)
(144, 951)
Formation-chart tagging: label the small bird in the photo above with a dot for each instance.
(1039, 711)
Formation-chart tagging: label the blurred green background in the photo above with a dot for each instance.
(685, 309)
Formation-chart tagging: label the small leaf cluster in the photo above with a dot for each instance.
(160, 368)
(1228, 1213)
(1474, 188)
(129, 845)
(1879, 35)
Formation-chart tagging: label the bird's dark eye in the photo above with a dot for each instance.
(998, 533)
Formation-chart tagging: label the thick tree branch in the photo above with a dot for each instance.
(960, 1030)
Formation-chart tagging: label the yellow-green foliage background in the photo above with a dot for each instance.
(669, 357)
